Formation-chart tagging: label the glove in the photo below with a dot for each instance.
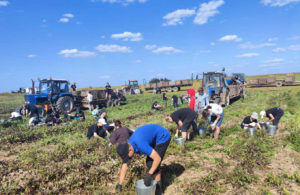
(148, 179)
(118, 188)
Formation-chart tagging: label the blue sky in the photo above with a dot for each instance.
(94, 41)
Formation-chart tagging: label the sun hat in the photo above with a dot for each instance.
(262, 113)
(254, 115)
(102, 121)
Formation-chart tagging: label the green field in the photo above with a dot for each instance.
(61, 160)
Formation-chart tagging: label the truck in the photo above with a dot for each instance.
(170, 86)
(56, 93)
(272, 81)
(220, 90)
(133, 87)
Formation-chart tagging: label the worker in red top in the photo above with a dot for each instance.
(191, 92)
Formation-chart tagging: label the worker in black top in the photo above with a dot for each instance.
(274, 115)
(184, 118)
(165, 99)
(73, 86)
(98, 130)
(32, 109)
(107, 90)
(175, 101)
(250, 121)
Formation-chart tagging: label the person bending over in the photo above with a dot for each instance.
(215, 114)
(98, 130)
(250, 121)
(121, 134)
(273, 114)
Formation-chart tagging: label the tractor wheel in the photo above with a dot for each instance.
(169, 89)
(64, 104)
(109, 103)
(278, 84)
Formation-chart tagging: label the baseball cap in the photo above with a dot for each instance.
(262, 113)
(254, 115)
(102, 121)
(122, 150)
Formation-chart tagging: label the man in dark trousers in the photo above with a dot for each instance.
(175, 101)
(151, 140)
(73, 86)
(121, 134)
(184, 118)
(274, 115)
(165, 99)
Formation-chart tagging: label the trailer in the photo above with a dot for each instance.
(272, 81)
(170, 86)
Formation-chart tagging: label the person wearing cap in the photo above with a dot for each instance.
(98, 130)
(184, 118)
(273, 114)
(201, 100)
(121, 134)
(250, 121)
(152, 140)
(215, 114)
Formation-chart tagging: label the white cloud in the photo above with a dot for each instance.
(248, 55)
(234, 38)
(64, 20)
(250, 45)
(212, 43)
(124, 2)
(128, 36)
(150, 47)
(75, 53)
(294, 38)
(163, 50)
(4, 3)
(278, 3)
(272, 39)
(102, 37)
(68, 15)
(273, 63)
(138, 61)
(113, 49)
(207, 10)
(177, 16)
(31, 56)
(104, 77)
(290, 48)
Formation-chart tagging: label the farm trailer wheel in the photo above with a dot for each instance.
(278, 83)
(64, 104)
(175, 89)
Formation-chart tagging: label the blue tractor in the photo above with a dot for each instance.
(54, 92)
(220, 90)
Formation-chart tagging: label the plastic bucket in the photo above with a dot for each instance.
(202, 131)
(272, 130)
(141, 189)
(251, 130)
(180, 141)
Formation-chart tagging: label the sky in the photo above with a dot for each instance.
(93, 42)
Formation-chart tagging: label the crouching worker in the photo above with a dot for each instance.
(151, 140)
(155, 106)
(250, 121)
(274, 115)
(214, 113)
(98, 130)
(121, 134)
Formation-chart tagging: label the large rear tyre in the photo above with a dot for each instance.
(65, 104)
(278, 84)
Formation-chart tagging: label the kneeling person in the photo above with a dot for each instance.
(151, 140)
(250, 121)
(98, 130)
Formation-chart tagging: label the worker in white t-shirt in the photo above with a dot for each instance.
(215, 113)
(15, 116)
(90, 100)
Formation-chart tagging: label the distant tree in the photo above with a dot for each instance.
(154, 80)
(165, 79)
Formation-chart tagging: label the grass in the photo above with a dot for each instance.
(61, 160)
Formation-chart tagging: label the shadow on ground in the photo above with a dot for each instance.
(170, 172)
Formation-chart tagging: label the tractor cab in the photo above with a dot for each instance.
(133, 83)
(213, 84)
(53, 86)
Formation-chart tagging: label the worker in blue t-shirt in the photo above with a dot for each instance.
(151, 140)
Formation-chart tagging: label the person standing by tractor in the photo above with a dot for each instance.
(201, 100)
(215, 114)
(152, 140)
(273, 114)
(73, 86)
(90, 101)
(107, 90)
(165, 99)
(184, 118)
(191, 92)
